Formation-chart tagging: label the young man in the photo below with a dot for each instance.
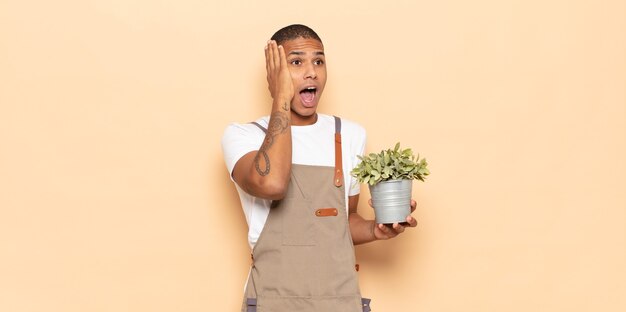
(292, 172)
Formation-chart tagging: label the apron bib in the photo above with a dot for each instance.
(304, 258)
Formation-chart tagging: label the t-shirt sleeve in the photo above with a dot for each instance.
(237, 141)
(358, 150)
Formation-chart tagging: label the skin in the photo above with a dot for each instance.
(265, 173)
(291, 67)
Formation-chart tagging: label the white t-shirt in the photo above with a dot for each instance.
(311, 145)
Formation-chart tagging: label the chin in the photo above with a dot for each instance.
(304, 114)
(304, 111)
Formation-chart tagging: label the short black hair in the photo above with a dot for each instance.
(295, 31)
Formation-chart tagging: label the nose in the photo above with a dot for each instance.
(310, 72)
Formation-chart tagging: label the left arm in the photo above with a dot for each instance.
(365, 231)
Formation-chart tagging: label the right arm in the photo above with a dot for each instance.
(265, 173)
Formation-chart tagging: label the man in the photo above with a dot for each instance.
(292, 172)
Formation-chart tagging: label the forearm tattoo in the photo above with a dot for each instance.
(266, 158)
(278, 124)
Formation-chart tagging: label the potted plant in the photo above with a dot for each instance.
(390, 176)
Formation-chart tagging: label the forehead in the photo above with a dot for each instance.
(306, 45)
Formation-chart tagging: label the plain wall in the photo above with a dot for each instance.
(114, 195)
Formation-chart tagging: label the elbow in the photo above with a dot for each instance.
(275, 190)
(272, 189)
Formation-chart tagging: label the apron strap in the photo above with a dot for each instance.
(366, 304)
(251, 305)
(338, 157)
(260, 127)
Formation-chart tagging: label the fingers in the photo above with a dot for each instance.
(267, 62)
(272, 65)
(277, 62)
(411, 222)
(398, 228)
(386, 231)
(282, 56)
(271, 48)
(266, 50)
(390, 231)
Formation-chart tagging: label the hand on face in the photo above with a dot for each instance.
(278, 75)
(383, 232)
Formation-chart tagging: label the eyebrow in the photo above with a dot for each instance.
(302, 53)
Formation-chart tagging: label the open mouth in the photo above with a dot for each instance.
(307, 95)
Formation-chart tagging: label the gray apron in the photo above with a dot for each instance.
(304, 258)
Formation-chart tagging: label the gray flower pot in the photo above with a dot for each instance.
(391, 200)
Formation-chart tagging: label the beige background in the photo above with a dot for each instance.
(114, 195)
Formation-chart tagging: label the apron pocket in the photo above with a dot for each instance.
(300, 228)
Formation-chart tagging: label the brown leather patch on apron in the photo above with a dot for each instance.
(326, 212)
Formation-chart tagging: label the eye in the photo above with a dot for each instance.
(296, 62)
(318, 62)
